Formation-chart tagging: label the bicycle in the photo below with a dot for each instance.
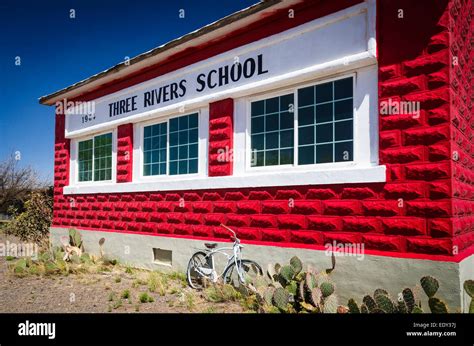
(201, 267)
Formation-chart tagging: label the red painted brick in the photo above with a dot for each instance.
(383, 243)
(342, 238)
(211, 196)
(184, 229)
(175, 217)
(148, 206)
(249, 207)
(429, 209)
(191, 196)
(402, 155)
(247, 233)
(287, 194)
(275, 207)
(426, 136)
(193, 219)
(381, 208)
(321, 194)
(404, 226)
(238, 220)
(361, 224)
(402, 86)
(341, 207)
(291, 222)
(260, 195)
(156, 197)
(266, 221)
(306, 207)
(276, 236)
(149, 227)
(224, 207)
(390, 139)
(165, 207)
(142, 217)
(214, 219)
(430, 246)
(405, 190)
(202, 207)
(172, 197)
(324, 223)
(234, 196)
(358, 193)
(427, 171)
(157, 217)
(440, 189)
(307, 237)
(165, 228)
(133, 206)
(439, 152)
(440, 228)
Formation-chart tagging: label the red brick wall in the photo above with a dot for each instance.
(413, 212)
(461, 36)
(221, 134)
(124, 153)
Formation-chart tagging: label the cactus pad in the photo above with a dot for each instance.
(409, 299)
(287, 273)
(281, 298)
(385, 303)
(330, 304)
(353, 307)
(437, 306)
(469, 287)
(296, 264)
(369, 303)
(327, 288)
(430, 285)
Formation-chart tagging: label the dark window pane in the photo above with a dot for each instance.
(183, 152)
(271, 122)
(258, 142)
(174, 125)
(306, 135)
(306, 116)
(183, 122)
(324, 153)
(193, 166)
(173, 167)
(271, 140)
(343, 109)
(272, 105)
(193, 120)
(173, 153)
(174, 138)
(155, 169)
(183, 167)
(286, 157)
(324, 92)
(257, 124)
(344, 130)
(257, 159)
(324, 133)
(257, 108)
(163, 168)
(324, 113)
(286, 103)
(286, 139)
(306, 155)
(343, 151)
(155, 130)
(183, 137)
(193, 136)
(163, 129)
(147, 131)
(286, 120)
(343, 88)
(305, 96)
(193, 150)
(163, 141)
(271, 158)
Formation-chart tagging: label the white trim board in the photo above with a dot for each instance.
(335, 176)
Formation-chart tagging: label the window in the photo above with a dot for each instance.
(324, 124)
(95, 158)
(181, 136)
(272, 131)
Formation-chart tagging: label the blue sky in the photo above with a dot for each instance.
(57, 51)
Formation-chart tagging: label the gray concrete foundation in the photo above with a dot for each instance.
(354, 276)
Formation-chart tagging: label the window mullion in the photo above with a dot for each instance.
(295, 128)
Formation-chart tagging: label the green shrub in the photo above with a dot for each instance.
(33, 224)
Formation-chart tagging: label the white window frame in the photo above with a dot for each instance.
(139, 142)
(295, 166)
(138, 154)
(74, 164)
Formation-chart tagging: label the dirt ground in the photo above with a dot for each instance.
(98, 293)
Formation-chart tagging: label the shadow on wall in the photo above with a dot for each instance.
(420, 19)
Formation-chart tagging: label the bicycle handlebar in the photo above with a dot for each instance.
(230, 230)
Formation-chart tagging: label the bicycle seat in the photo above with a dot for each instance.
(210, 245)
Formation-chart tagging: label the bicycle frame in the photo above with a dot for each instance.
(235, 257)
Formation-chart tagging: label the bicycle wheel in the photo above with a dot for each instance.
(199, 269)
(250, 270)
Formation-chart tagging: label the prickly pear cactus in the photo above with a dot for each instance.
(402, 307)
(430, 285)
(268, 295)
(417, 310)
(310, 281)
(281, 298)
(75, 238)
(385, 303)
(409, 299)
(469, 288)
(327, 288)
(437, 306)
(287, 273)
(369, 303)
(292, 287)
(315, 296)
(353, 307)
(330, 304)
(364, 309)
(379, 291)
(271, 272)
(296, 264)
